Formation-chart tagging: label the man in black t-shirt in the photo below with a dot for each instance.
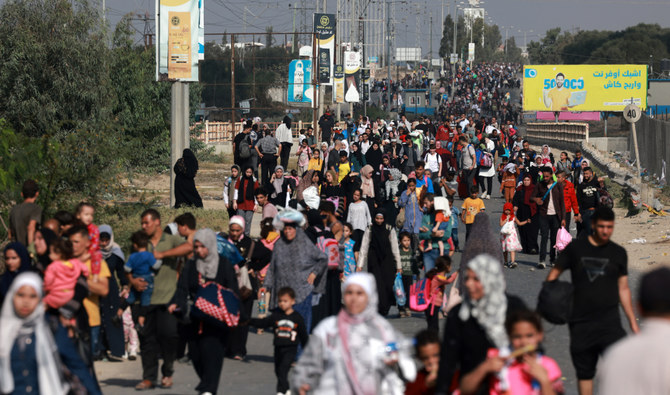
(242, 147)
(599, 273)
(587, 199)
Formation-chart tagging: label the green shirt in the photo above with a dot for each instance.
(406, 262)
(165, 282)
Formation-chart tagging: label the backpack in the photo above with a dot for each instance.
(554, 303)
(486, 160)
(245, 148)
(419, 295)
(331, 247)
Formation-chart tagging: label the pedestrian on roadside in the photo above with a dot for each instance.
(268, 149)
(550, 200)
(285, 137)
(526, 210)
(25, 217)
(245, 198)
(599, 274)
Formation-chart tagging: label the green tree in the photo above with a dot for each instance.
(55, 67)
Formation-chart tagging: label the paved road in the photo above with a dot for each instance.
(256, 374)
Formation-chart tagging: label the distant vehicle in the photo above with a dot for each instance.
(418, 102)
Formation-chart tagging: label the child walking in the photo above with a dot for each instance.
(521, 369)
(439, 278)
(509, 237)
(510, 174)
(142, 264)
(61, 275)
(455, 215)
(409, 269)
(441, 223)
(471, 207)
(84, 213)
(350, 256)
(289, 331)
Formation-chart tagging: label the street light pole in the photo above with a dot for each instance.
(388, 54)
(453, 64)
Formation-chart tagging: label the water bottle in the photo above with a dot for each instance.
(392, 349)
(261, 304)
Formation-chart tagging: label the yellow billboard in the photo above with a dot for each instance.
(584, 87)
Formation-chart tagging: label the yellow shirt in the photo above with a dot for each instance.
(559, 99)
(472, 207)
(92, 302)
(315, 164)
(345, 168)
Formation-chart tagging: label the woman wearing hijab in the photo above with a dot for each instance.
(40, 257)
(369, 188)
(245, 198)
(379, 249)
(312, 180)
(374, 156)
(393, 188)
(357, 158)
(296, 263)
(526, 209)
(348, 353)
(32, 353)
(332, 191)
(17, 261)
(281, 185)
(109, 304)
(477, 323)
(207, 343)
(185, 170)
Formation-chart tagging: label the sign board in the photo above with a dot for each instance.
(300, 89)
(453, 58)
(181, 32)
(373, 59)
(437, 62)
(324, 27)
(408, 54)
(584, 87)
(632, 113)
(471, 52)
(365, 79)
(352, 84)
(338, 84)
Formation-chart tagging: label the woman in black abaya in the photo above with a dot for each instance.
(379, 249)
(184, 183)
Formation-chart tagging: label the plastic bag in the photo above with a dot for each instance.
(399, 290)
(508, 228)
(563, 238)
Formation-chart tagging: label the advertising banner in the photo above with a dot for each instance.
(352, 84)
(181, 32)
(471, 52)
(584, 87)
(300, 89)
(568, 116)
(365, 79)
(338, 84)
(324, 27)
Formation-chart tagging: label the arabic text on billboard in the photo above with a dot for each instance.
(584, 87)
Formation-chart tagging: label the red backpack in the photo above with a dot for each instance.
(419, 295)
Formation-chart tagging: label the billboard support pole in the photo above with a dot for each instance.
(179, 128)
(315, 96)
(232, 84)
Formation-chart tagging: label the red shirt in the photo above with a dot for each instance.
(247, 205)
(570, 198)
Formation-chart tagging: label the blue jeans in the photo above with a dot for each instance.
(429, 259)
(304, 308)
(143, 296)
(95, 340)
(454, 237)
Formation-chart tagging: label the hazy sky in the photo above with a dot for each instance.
(524, 15)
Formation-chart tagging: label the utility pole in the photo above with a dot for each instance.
(454, 39)
(388, 55)
(430, 57)
(293, 41)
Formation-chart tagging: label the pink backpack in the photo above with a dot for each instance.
(419, 295)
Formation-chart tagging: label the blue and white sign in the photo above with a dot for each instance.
(300, 89)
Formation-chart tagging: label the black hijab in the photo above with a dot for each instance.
(43, 260)
(246, 192)
(287, 121)
(379, 238)
(374, 157)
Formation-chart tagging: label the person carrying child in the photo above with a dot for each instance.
(61, 275)
(442, 214)
(520, 368)
(85, 213)
(142, 264)
(439, 278)
(289, 331)
(509, 237)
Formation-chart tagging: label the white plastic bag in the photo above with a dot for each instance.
(563, 238)
(508, 228)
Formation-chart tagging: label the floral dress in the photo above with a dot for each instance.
(510, 242)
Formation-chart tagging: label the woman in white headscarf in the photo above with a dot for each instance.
(206, 343)
(476, 324)
(30, 355)
(355, 352)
